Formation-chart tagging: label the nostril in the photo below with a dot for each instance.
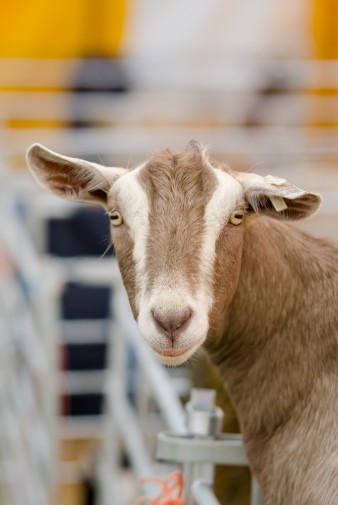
(172, 323)
(184, 317)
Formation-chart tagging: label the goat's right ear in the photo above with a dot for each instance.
(71, 178)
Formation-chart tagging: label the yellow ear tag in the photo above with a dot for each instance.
(276, 181)
(278, 202)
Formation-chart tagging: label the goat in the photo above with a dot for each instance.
(206, 259)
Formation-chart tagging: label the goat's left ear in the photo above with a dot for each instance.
(277, 198)
(71, 178)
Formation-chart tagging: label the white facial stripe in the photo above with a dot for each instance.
(170, 294)
(217, 211)
(223, 201)
(135, 209)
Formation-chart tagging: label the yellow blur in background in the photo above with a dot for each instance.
(324, 26)
(61, 29)
(83, 28)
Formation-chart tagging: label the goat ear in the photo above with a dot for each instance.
(71, 178)
(277, 198)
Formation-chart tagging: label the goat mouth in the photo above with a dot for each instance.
(173, 353)
(175, 357)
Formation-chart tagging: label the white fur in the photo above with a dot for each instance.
(171, 294)
(222, 203)
(135, 211)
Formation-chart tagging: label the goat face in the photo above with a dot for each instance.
(177, 225)
(176, 212)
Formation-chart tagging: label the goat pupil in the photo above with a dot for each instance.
(238, 216)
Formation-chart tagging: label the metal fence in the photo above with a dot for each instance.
(28, 367)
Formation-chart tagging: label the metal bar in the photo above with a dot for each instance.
(256, 494)
(203, 494)
(109, 467)
(31, 332)
(54, 73)
(288, 107)
(90, 271)
(263, 144)
(80, 427)
(79, 382)
(130, 432)
(225, 450)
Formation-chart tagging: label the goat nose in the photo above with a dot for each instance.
(172, 324)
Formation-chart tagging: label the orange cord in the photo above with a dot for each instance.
(171, 493)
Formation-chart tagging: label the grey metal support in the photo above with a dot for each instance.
(256, 494)
(202, 493)
(203, 447)
(204, 419)
(223, 450)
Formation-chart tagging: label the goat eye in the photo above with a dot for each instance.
(236, 217)
(115, 217)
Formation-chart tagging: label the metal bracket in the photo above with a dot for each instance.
(203, 447)
(221, 450)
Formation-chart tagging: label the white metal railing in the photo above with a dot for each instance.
(167, 107)
(180, 72)
(147, 108)
(28, 368)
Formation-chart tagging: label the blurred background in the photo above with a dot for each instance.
(112, 81)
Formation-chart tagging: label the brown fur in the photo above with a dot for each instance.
(278, 355)
(178, 187)
(273, 328)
